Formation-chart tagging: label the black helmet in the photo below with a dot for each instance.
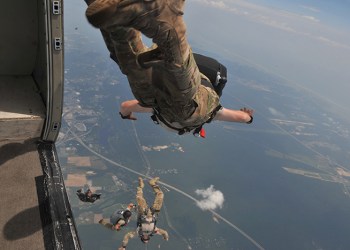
(127, 214)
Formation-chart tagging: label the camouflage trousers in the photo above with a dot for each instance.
(142, 206)
(173, 88)
(175, 91)
(124, 44)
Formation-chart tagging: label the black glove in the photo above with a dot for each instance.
(249, 112)
(129, 117)
(251, 120)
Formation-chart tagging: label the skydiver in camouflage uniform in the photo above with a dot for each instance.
(119, 219)
(165, 80)
(87, 196)
(147, 216)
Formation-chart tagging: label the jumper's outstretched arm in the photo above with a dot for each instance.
(127, 109)
(230, 115)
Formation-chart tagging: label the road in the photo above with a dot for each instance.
(230, 224)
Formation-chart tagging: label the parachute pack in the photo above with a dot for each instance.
(117, 216)
(217, 75)
(146, 225)
(215, 71)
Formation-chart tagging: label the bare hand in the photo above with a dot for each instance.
(249, 112)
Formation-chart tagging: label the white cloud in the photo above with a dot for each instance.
(311, 18)
(275, 112)
(313, 9)
(212, 198)
(303, 25)
(159, 148)
(255, 12)
(155, 148)
(173, 147)
(219, 4)
(146, 149)
(215, 4)
(332, 42)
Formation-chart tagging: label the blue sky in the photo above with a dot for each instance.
(335, 12)
(305, 42)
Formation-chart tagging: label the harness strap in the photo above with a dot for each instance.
(213, 114)
(156, 117)
(197, 131)
(141, 221)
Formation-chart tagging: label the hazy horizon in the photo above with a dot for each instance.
(298, 41)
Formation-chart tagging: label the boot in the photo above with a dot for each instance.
(153, 182)
(88, 2)
(141, 185)
(160, 20)
(126, 43)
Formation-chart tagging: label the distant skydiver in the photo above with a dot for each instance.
(88, 196)
(164, 79)
(119, 218)
(147, 216)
